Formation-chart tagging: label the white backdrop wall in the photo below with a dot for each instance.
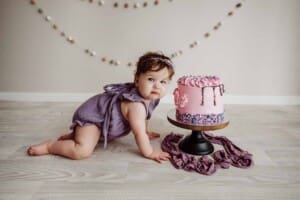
(255, 52)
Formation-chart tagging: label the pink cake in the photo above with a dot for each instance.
(199, 101)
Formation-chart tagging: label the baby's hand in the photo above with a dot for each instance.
(153, 135)
(159, 155)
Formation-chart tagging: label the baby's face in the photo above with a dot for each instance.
(152, 84)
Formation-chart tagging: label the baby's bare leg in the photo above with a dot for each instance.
(67, 136)
(82, 146)
(42, 148)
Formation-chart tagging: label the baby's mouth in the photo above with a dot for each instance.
(154, 92)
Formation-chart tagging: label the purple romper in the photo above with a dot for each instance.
(104, 110)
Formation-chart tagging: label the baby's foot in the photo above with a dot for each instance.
(66, 136)
(39, 149)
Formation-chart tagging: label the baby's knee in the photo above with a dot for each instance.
(80, 153)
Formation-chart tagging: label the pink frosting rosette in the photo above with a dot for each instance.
(199, 81)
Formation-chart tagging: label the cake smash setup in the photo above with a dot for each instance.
(200, 108)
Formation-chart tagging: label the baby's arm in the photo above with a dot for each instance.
(151, 134)
(136, 116)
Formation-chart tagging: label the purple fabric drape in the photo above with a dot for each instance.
(231, 155)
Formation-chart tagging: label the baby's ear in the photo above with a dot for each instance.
(136, 81)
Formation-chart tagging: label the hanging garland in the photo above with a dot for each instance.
(127, 5)
(117, 62)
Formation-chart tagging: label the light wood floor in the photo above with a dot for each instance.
(271, 133)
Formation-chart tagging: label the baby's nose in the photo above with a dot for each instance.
(157, 85)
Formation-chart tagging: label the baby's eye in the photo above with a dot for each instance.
(151, 79)
(164, 82)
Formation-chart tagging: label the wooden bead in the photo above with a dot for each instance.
(93, 53)
(117, 63)
(101, 3)
(54, 26)
(71, 40)
(238, 5)
(32, 2)
(40, 11)
(230, 13)
(48, 18)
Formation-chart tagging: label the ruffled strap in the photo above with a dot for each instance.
(116, 90)
(134, 96)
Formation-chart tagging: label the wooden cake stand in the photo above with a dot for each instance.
(195, 143)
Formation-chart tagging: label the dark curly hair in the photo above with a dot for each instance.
(154, 61)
